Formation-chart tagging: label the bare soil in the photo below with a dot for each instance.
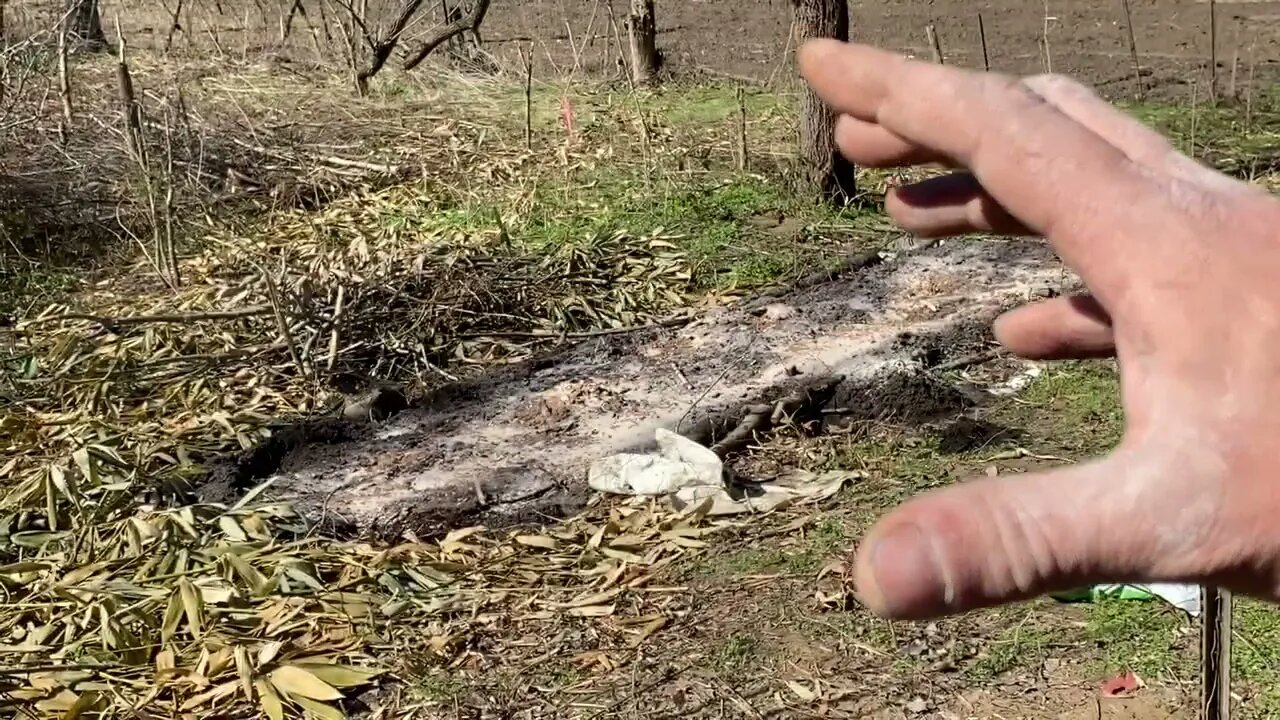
(1086, 38)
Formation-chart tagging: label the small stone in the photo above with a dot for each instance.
(778, 311)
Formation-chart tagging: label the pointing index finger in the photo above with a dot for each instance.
(1050, 172)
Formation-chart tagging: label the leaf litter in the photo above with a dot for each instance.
(124, 597)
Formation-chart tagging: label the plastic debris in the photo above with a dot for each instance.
(689, 475)
(1184, 597)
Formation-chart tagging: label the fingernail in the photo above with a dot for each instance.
(908, 577)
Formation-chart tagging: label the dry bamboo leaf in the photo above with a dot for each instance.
(299, 683)
(172, 617)
(622, 555)
(319, 710)
(210, 696)
(244, 668)
(269, 700)
(340, 676)
(192, 606)
(538, 541)
(591, 611)
(594, 599)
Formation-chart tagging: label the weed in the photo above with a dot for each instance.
(738, 652)
(1147, 637)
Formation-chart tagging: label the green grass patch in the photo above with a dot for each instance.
(1024, 644)
(1147, 637)
(739, 651)
(1229, 136)
(1256, 655)
(1072, 408)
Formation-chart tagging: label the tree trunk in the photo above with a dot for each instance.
(84, 23)
(643, 32)
(827, 171)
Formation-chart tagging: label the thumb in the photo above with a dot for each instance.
(995, 540)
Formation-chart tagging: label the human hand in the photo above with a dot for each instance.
(1183, 269)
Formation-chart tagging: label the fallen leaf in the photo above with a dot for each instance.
(296, 682)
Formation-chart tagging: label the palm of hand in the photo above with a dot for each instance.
(1183, 267)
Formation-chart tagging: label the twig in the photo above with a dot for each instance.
(1233, 91)
(762, 418)
(1133, 48)
(968, 360)
(743, 162)
(1213, 51)
(277, 310)
(64, 75)
(1248, 92)
(131, 111)
(338, 307)
(934, 43)
(982, 38)
(1048, 52)
(528, 97)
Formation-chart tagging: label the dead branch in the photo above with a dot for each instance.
(382, 47)
(175, 25)
(800, 404)
(469, 23)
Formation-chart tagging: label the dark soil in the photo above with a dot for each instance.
(749, 39)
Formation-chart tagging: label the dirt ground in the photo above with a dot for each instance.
(1086, 38)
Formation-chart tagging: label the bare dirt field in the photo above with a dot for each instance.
(1085, 38)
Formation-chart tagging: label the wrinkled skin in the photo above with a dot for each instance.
(1182, 265)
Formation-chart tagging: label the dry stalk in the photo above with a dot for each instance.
(1048, 51)
(64, 75)
(130, 110)
(743, 160)
(1213, 51)
(1248, 91)
(982, 38)
(527, 59)
(1133, 48)
(935, 45)
(1195, 116)
(335, 333)
(282, 323)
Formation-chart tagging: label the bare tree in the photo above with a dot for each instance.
(84, 22)
(643, 33)
(385, 43)
(828, 172)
